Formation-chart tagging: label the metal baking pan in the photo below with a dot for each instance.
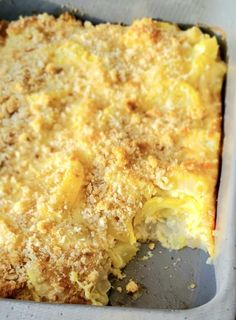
(166, 278)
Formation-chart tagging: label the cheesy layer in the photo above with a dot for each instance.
(109, 135)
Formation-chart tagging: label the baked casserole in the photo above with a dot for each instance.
(109, 136)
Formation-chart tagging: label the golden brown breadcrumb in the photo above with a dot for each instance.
(109, 135)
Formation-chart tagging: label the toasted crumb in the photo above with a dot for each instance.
(119, 289)
(132, 287)
(192, 286)
(147, 256)
(151, 245)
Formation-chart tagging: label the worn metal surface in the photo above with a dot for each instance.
(166, 278)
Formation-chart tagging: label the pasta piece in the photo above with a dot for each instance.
(68, 190)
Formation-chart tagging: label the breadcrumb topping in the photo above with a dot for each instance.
(95, 121)
(132, 287)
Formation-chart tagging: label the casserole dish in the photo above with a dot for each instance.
(169, 276)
